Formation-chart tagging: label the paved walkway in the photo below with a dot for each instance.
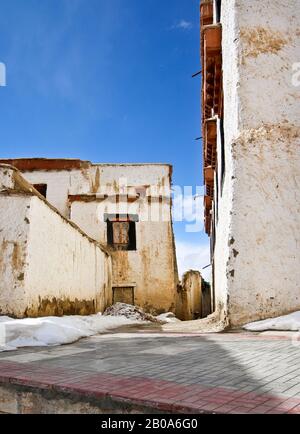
(220, 373)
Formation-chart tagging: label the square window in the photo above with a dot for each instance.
(121, 231)
(41, 188)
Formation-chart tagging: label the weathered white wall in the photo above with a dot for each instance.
(189, 304)
(14, 232)
(96, 178)
(6, 177)
(258, 234)
(65, 265)
(47, 266)
(152, 268)
(231, 124)
(60, 184)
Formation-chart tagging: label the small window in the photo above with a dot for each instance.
(216, 201)
(217, 11)
(223, 162)
(121, 231)
(41, 188)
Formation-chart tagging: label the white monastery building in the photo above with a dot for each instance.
(76, 237)
(251, 151)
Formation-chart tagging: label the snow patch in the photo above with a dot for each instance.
(289, 322)
(168, 317)
(51, 331)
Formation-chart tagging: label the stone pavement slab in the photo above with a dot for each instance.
(155, 372)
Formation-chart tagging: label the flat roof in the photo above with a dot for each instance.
(32, 164)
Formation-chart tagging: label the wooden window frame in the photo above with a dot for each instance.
(132, 219)
(120, 287)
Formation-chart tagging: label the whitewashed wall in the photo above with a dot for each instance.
(152, 268)
(64, 264)
(257, 262)
(14, 232)
(96, 178)
(189, 304)
(47, 266)
(60, 184)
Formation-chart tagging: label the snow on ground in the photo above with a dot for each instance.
(137, 313)
(50, 331)
(167, 318)
(289, 322)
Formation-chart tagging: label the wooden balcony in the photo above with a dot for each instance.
(207, 202)
(212, 100)
(206, 12)
(212, 95)
(212, 35)
(210, 143)
(209, 175)
(210, 162)
(207, 224)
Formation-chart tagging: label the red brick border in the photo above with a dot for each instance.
(152, 393)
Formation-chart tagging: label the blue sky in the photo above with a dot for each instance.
(106, 81)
